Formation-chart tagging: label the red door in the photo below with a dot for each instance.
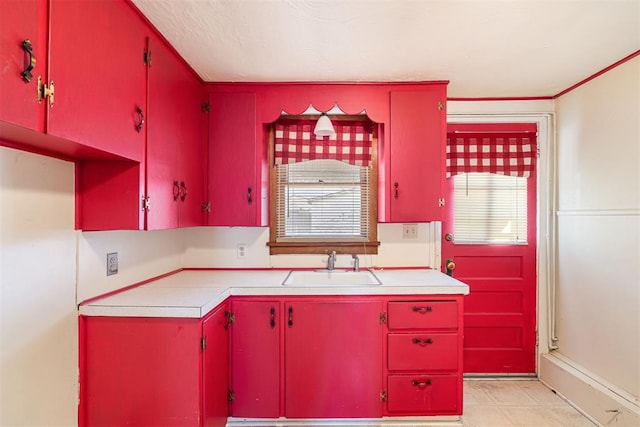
(255, 359)
(500, 311)
(319, 382)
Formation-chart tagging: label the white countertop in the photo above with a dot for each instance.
(193, 293)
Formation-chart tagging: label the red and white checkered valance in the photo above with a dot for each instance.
(510, 154)
(295, 142)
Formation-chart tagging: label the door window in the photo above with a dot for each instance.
(489, 208)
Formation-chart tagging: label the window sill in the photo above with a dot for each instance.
(361, 248)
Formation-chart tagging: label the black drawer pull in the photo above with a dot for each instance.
(290, 321)
(421, 384)
(422, 310)
(422, 342)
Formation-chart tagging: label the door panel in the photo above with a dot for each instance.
(500, 310)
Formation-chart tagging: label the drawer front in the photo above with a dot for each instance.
(424, 394)
(423, 315)
(421, 352)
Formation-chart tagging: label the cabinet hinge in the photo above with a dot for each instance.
(146, 57)
(440, 105)
(203, 343)
(231, 395)
(383, 396)
(538, 151)
(206, 107)
(45, 92)
(383, 318)
(146, 204)
(206, 207)
(441, 202)
(231, 319)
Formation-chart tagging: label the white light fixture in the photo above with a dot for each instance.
(324, 127)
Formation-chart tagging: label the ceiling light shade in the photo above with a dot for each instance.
(324, 127)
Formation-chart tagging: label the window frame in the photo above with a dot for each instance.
(322, 246)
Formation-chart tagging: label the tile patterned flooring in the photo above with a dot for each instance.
(521, 403)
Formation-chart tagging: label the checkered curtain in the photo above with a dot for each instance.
(295, 142)
(510, 154)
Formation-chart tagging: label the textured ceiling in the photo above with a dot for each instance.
(497, 48)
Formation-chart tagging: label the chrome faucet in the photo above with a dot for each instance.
(331, 261)
(356, 262)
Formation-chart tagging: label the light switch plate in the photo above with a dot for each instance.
(112, 263)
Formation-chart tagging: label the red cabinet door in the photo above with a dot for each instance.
(233, 163)
(175, 155)
(193, 153)
(140, 371)
(417, 132)
(255, 359)
(22, 20)
(163, 137)
(96, 64)
(319, 381)
(215, 369)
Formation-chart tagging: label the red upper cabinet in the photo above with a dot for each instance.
(233, 165)
(98, 74)
(417, 153)
(175, 150)
(22, 37)
(333, 359)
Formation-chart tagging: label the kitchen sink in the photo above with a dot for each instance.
(331, 278)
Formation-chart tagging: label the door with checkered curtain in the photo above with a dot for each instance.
(489, 242)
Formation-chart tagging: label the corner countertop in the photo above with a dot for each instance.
(193, 293)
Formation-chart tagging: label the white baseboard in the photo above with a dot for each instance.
(594, 397)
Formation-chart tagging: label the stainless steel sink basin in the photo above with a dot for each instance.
(331, 278)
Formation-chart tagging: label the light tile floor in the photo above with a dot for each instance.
(521, 403)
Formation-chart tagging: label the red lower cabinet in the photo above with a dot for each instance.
(271, 357)
(153, 371)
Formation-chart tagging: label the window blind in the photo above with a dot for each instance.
(490, 208)
(322, 198)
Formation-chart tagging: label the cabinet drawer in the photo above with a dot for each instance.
(419, 352)
(423, 314)
(424, 394)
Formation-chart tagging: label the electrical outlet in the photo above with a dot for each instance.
(409, 231)
(242, 250)
(112, 263)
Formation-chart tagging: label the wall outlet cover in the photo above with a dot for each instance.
(112, 263)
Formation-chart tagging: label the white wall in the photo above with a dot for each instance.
(38, 316)
(141, 256)
(215, 247)
(598, 252)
